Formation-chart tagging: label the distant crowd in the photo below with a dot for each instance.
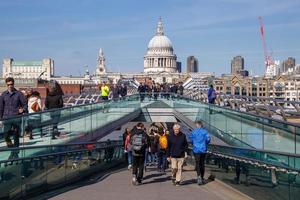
(165, 89)
(151, 90)
(114, 91)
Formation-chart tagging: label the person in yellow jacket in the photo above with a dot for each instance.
(104, 92)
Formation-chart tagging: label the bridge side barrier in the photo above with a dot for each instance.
(22, 178)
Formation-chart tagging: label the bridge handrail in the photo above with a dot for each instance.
(246, 113)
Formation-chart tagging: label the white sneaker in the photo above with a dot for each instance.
(134, 180)
(129, 167)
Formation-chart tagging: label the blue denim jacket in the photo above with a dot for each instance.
(10, 104)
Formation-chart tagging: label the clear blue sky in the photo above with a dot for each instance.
(72, 31)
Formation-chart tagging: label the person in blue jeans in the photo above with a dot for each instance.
(200, 139)
(128, 149)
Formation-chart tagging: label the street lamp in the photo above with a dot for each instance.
(41, 74)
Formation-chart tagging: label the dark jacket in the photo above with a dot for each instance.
(54, 100)
(10, 104)
(180, 88)
(211, 95)
(174, 89)
(177, 145)
(141, 89)
(123, 91)
(154, 140)
(115, 92)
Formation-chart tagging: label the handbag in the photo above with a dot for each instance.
(35, 107)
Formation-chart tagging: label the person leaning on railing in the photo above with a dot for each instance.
(104, 91)
(12, 103)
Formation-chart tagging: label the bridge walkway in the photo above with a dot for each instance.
(155, 186)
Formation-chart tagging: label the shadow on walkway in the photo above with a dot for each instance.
(158, 180)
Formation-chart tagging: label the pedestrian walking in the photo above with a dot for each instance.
(12, 104)
(139, 142)
(53, 101)
(200, 139)
(176, 153)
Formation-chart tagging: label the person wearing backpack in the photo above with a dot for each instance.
(162, 148)
(200, 138)
(139, 142)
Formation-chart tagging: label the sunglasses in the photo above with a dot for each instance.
(10, 84)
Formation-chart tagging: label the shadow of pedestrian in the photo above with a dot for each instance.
(158, 180)
(152, 176)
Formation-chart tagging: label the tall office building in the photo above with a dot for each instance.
(289, 64)
(237, 64)
(178, 66)
(192, 64)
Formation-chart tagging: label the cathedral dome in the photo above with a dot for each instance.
(160, 56)
(160, 41)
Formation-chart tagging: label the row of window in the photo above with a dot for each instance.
(70, 82)
(24, 69)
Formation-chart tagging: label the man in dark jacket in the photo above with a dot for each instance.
(139, 142)
(115, 92)
(177, 152)
(180, 88)
(12, 104)
(142, 91)
(123, 90)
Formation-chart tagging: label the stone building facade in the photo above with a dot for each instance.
(28, 69)
(160, 56)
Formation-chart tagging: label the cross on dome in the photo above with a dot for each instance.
(101, 52)
(160, 28)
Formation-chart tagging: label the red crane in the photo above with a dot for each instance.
(268, 57)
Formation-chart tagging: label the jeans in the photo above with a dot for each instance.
(146, 158)
(142, 97)
(151, 157)
(12, 128)
(55, 117)
(162, 160)
(200, 165)
(129, 155)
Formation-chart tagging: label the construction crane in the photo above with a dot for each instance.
(268, 57)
